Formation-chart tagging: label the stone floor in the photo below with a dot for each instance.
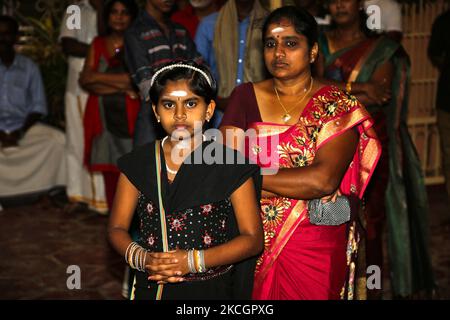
(38, 242)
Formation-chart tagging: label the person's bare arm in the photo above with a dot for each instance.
(247, 244)
(322, 177)
(73, 47)
(102, 83)
(122, 214)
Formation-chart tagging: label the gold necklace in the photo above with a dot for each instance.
(286, 117)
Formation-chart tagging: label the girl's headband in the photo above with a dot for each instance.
(179, 65)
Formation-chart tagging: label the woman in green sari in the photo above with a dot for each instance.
(376, 70)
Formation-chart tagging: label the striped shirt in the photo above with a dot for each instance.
(147, 47)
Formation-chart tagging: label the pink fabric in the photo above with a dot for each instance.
(312, 265)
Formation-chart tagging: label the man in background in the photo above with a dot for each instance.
(31, 153)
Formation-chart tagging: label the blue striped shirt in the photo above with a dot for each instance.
(21, 93)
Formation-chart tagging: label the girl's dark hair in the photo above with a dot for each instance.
(304, 23)
(131, 6)
(197, 82)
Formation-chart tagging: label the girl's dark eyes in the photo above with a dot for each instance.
(168, 105)
(191, 104)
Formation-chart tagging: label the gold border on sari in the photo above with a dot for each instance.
(371, 152)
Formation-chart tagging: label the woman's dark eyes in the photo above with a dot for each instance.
(270, 44)
(291, 44)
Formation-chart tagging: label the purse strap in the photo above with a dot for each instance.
(162, 213)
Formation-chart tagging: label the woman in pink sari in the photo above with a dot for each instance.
(320, 143)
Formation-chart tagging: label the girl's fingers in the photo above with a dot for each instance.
(164, 274)
(156, 261)
(167, 271)
(171, 280)
(174, 279)
(162, 255)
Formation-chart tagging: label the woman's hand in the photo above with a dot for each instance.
(87, 76)
(331, 197)
(378, 93)
(167, 266)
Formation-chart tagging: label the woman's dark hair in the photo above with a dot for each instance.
(197, 82)
(304, 23)
(131, 6)
(363, 24)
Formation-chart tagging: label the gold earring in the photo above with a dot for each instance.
(158, 119)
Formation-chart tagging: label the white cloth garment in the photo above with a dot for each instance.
(81, 184)
(37, 164)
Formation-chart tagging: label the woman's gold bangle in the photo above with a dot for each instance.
(348, 87)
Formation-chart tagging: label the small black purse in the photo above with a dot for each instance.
(329, 213)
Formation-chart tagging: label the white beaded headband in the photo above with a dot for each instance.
(179, 65)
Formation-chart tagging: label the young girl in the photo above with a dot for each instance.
(199, 222)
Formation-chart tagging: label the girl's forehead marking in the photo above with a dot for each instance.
(178, 93)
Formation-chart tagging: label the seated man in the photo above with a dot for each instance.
(31, 153)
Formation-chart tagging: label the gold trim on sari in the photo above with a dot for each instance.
(370, 155)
